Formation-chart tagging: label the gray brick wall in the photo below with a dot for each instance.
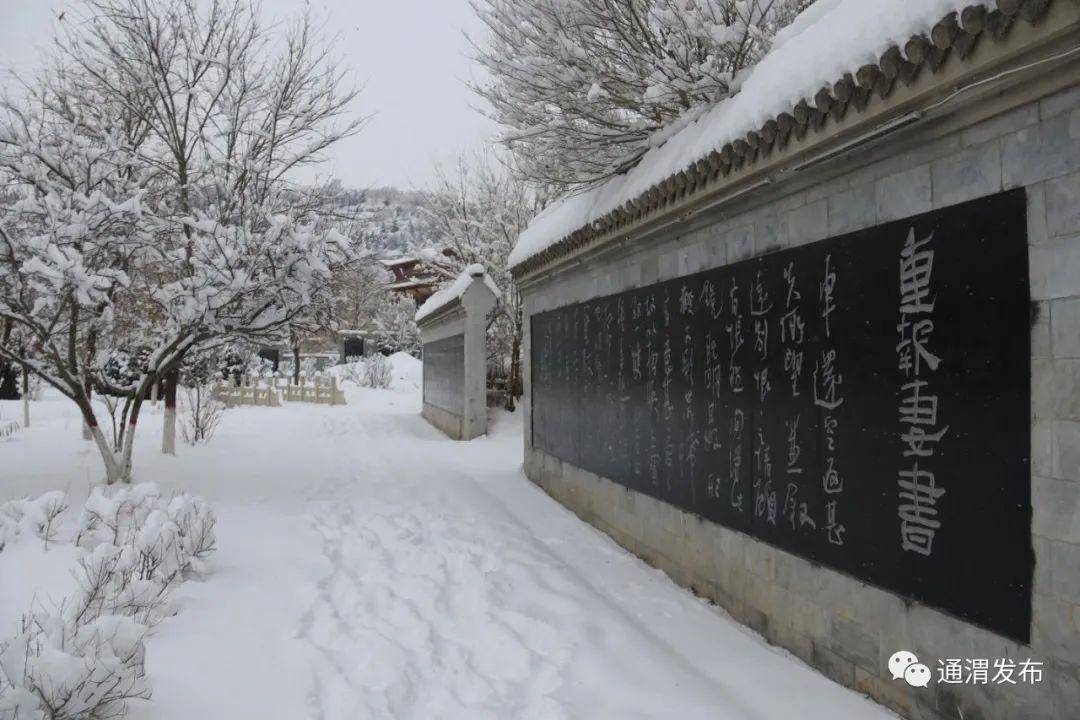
(845, 628)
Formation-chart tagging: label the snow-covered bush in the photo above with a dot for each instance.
(232, 361)
(200, 411)
(165, 536)
(56, 668)
(36, 516)
(259, 367)
(83, 660)
(200, 414)
(377, 372)
(352, 371)
(309, 368)
(34, 384)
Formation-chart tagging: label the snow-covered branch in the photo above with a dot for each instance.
(582, 87)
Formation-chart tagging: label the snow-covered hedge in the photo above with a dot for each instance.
(83, 660)
(36, 517)
(377, 372)
(400, 370)
(374, 371)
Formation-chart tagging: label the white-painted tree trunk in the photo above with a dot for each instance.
(168, 431)
(168, 423)
(113, 467)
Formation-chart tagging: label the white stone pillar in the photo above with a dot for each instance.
(477, 301)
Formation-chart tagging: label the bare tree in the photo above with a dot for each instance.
(478, 207)
(582, 87)
(202, 411)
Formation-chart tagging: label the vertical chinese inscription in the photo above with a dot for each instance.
(795, 511)
(828, 397)
(920, 431)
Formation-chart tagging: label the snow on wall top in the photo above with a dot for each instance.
(455, 290)
(826, 41)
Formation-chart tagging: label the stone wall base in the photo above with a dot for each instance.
(450, 423)
(839, 625)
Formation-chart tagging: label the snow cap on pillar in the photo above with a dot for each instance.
(451, 296)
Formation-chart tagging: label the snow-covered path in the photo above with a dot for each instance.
(370, 568)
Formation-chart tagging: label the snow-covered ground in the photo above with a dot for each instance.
(368, 567)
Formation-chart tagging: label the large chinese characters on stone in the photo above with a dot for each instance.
(862, 401)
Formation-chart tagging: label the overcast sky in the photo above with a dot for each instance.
(409, 55)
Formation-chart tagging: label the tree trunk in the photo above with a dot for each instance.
(117, 463)
(296, 365)
(124, 462)
(515, 368)
(26, 397)
(517, 386)
(108, 457)
(168, 426)
(198, 432)
(87, 429)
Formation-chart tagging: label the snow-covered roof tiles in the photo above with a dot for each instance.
(835, 53)
(453, 292)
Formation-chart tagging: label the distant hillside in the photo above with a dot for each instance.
(391, 219)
